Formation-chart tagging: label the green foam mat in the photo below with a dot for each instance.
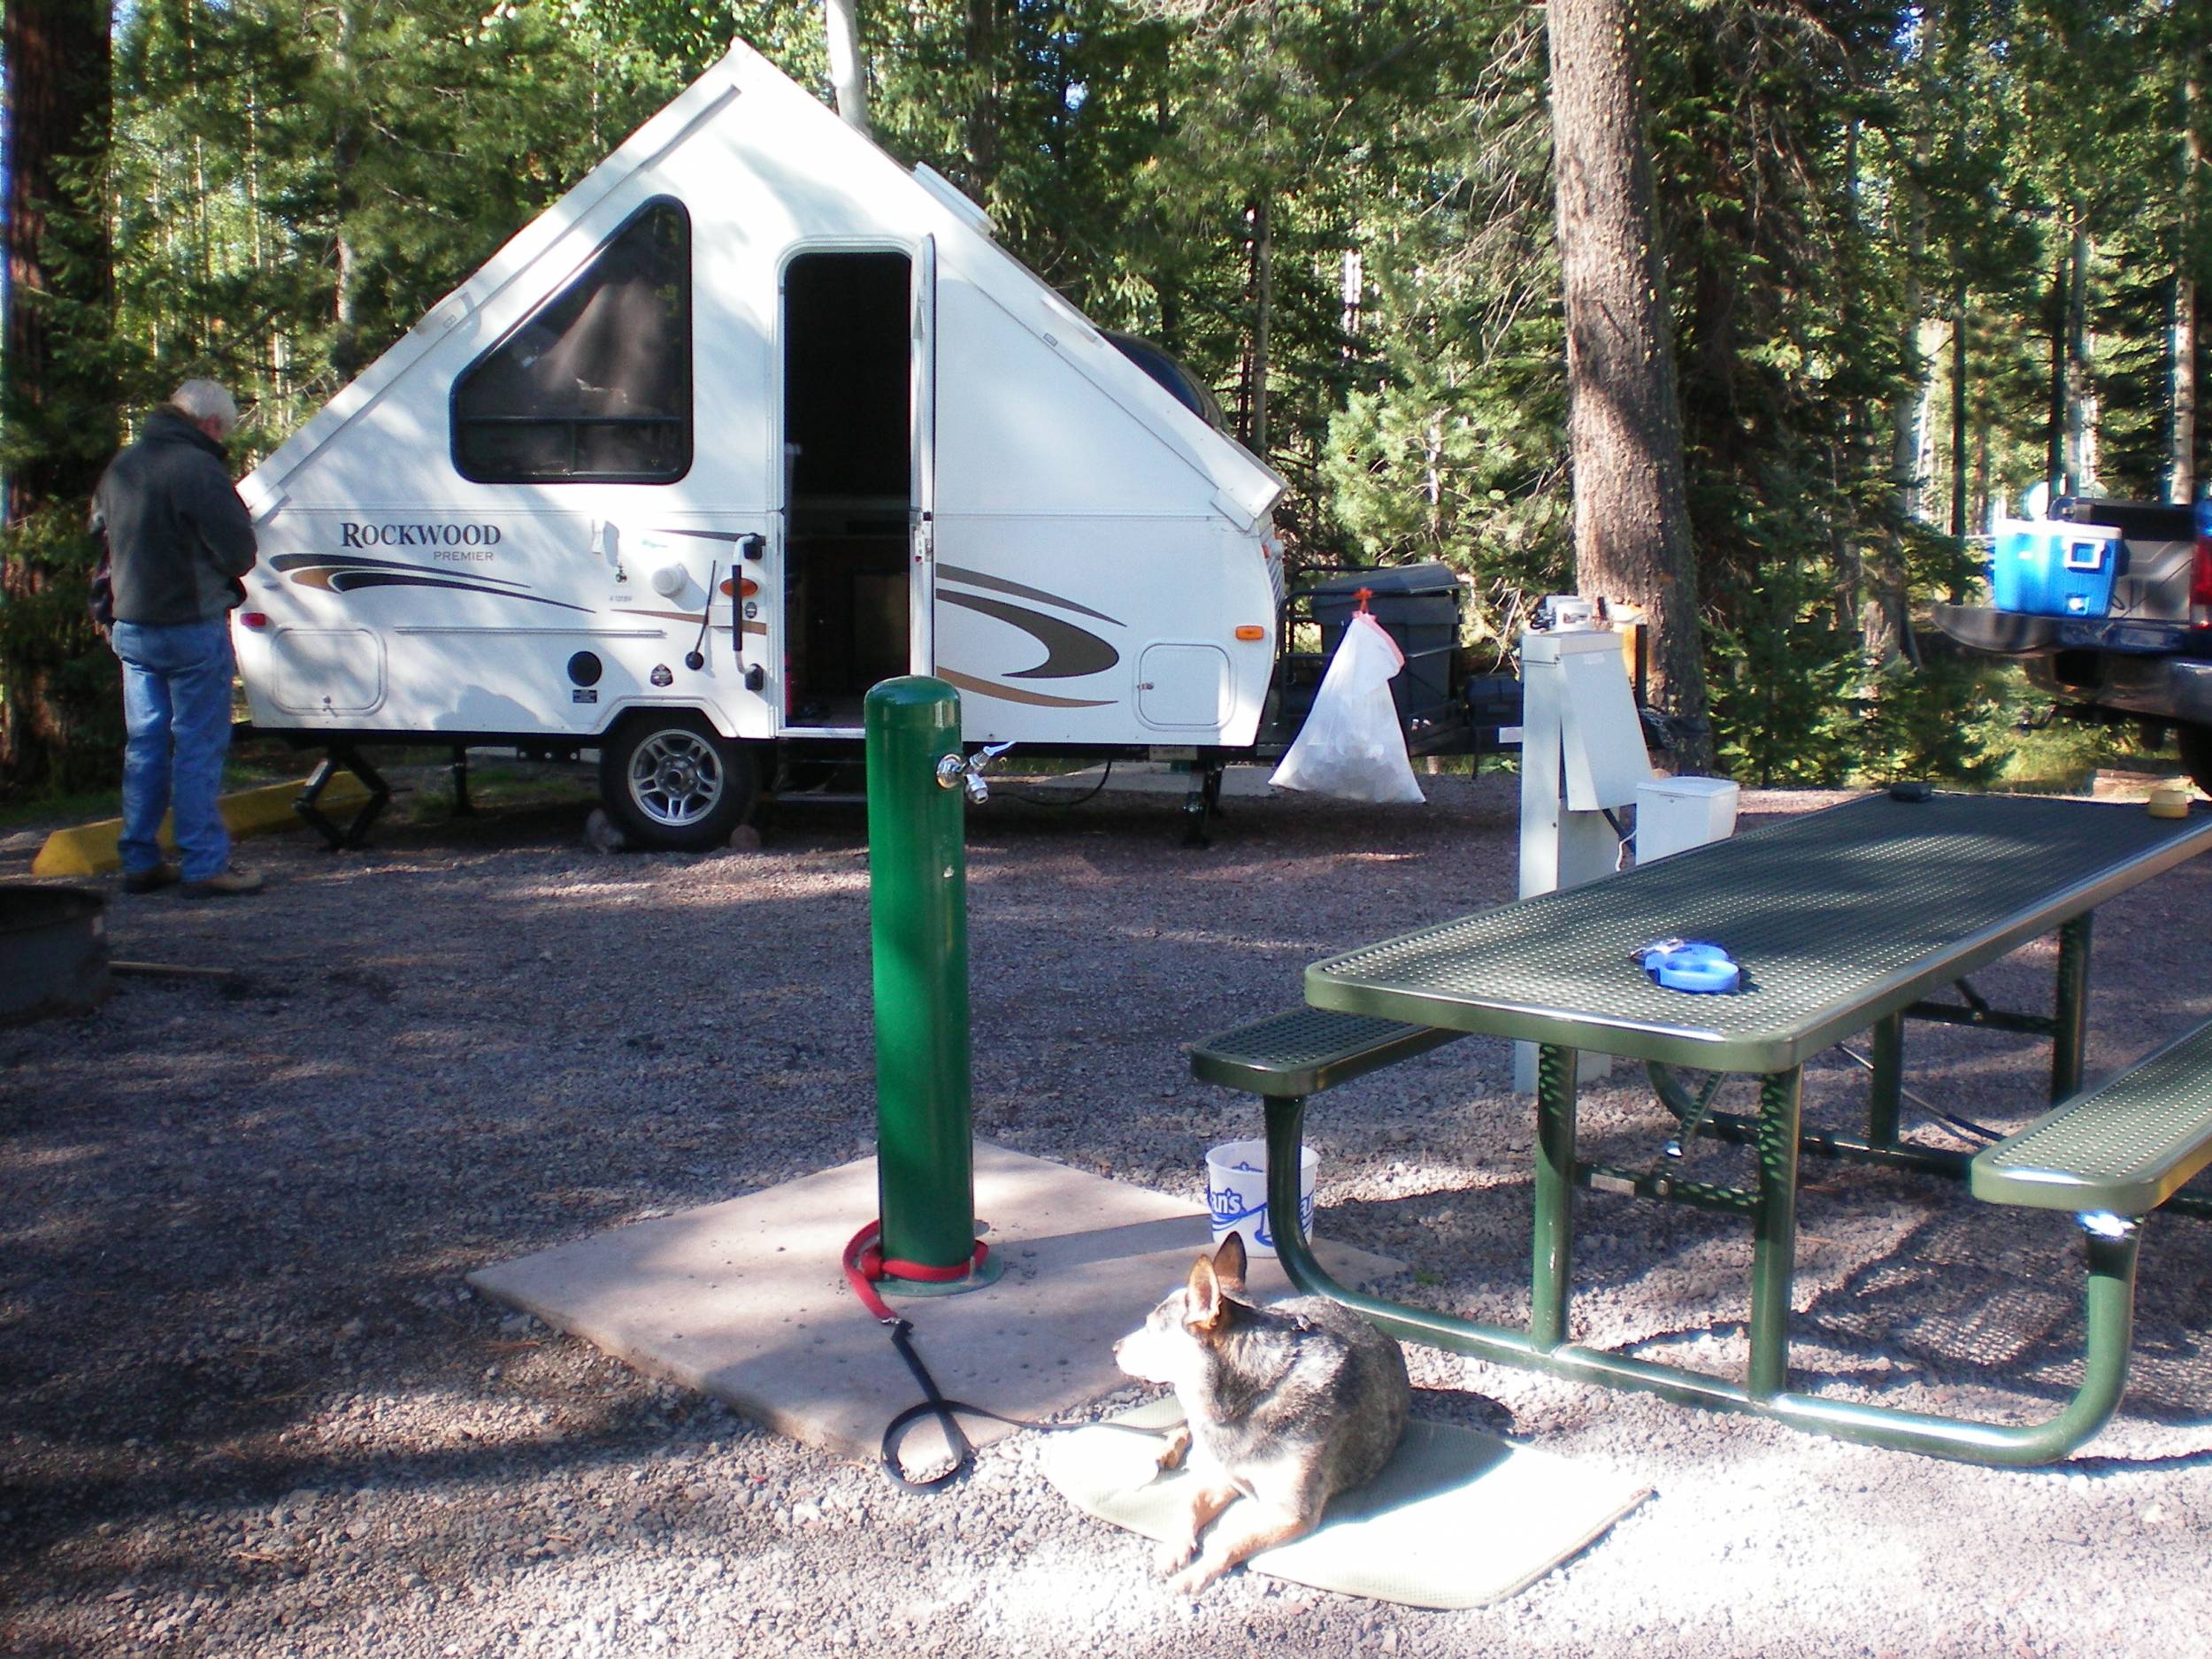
(1457, 1519)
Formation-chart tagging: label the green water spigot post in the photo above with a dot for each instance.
(918, 915)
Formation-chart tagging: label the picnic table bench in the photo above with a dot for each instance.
(1989, 872)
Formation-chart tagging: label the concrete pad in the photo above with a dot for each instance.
(747, 1301)
(88, 849)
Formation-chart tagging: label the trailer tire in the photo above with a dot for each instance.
(671, 783)
(2195, 744)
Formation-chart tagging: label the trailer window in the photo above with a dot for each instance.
(595, 384)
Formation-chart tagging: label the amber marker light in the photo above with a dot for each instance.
(1251, 630)
(743, 588)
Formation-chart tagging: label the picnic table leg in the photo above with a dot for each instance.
(1774, 1232)
(1552, 1266)
(1885, 1090)
(2109, 1315)
(1285, 1147)
(2069, 1019)
(2109, 1307)
(1285, 1135)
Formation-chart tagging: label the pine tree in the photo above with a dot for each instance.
(57, 682)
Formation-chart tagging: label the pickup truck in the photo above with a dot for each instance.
(2149, 656)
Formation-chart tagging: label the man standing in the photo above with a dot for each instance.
(177, 541)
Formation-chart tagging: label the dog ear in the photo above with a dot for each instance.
(1229, 1262)
(1204, 1311)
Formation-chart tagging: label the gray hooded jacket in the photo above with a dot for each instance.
(177, 536)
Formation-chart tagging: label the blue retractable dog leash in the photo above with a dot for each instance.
(1691, 965)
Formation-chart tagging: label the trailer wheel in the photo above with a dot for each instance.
(2195, 744)
(672, 784)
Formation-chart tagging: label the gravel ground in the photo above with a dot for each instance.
(251, 1409)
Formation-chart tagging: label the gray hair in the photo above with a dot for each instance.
(204, 400)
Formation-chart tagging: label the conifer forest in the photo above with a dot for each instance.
(1911, 258)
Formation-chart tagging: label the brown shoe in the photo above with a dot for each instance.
(223, 884)
(163, 875)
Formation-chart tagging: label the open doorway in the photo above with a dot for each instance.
(847, 453)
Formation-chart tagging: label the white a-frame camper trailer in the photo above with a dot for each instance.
(751, 419)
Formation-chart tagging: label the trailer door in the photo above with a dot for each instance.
(852, 539)
(922, 595)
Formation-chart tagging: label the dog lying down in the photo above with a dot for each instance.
(1283, 1406)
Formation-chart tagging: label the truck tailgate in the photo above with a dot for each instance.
(2011, 633)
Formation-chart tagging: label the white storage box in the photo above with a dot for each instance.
(1676, 814)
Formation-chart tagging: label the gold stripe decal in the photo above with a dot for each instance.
(1009, 693)
(999, 584)
(760, 628)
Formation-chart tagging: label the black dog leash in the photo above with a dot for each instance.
(947, 1412)
(864, 1264)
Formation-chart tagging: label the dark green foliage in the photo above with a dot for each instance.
(48, 642)
(295, 187)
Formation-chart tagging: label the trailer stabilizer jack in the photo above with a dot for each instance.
(355, 833)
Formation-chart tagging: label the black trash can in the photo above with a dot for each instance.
(1419, 607)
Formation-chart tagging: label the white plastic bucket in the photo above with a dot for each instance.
(1236, 1192)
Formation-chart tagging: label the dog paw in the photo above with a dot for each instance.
(1171, 1453)
(1173, 1553)
(1194, 1578)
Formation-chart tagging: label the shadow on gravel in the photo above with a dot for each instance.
(1965, 1297)
(1989, 1296)
(48, 1511)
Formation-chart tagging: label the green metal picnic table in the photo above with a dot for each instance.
(1845, 921)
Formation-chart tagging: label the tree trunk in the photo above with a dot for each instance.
(1958, 413)
(1263, 325)
(2181, 461)
(2081, 384)
(1632, 529)
(984, 117)
(59, 81)
(57, 395)
(345, 337)
(2055, 426)
(2181, 472)
(848, 73)
(1955, 35)
(1882, 612)
(1846, 457)
(345, 160)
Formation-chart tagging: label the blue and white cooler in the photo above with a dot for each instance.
(2043, 568)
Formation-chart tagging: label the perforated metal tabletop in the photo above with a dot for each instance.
(1837, 917)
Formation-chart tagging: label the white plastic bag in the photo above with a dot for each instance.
(1351, 745)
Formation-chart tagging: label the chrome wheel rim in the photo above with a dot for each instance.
(676, 778)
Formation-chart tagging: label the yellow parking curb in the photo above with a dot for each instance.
(89, 848)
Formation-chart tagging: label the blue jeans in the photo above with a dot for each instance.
(176, 703)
